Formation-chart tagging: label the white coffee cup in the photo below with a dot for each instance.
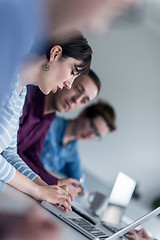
(98, 202)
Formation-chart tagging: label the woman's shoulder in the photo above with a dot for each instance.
(13, 90)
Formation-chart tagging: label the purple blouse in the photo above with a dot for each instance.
(33, 128)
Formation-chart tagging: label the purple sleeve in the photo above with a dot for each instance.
(49, 179)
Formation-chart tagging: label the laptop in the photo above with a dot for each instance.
(86, 223)
(96, 232)
(119, 198)
(114, 206)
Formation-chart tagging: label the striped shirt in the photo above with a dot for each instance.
(9, 123)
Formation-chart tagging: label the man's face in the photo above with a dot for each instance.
(87, 129)
(83, 91)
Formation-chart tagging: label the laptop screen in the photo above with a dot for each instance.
(119, 198)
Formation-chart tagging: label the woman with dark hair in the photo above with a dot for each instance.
(22, 21)
(51, 71)
(60, 152)
(57, 62)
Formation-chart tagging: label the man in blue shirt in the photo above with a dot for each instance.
(60, 152)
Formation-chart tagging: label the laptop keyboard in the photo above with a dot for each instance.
(89, 228)
(111, 228)
(93, 230)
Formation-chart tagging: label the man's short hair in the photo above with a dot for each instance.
(102, 109)
(95, 79)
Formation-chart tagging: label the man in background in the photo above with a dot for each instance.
(39, 112)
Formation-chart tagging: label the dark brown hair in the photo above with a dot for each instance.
(103, 109)
(73, 45)
(95, 79)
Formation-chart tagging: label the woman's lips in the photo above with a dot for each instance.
(54, 91)
(57, 89)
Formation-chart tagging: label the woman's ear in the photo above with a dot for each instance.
(55, 53)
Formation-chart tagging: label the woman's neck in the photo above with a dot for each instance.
(49, 104)
(70, 133)
(30, 70)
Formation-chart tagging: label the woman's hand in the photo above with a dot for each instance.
(74, 186)
(138, 235)
(41, 191)
(53, 194)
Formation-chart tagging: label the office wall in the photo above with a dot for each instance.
(127, 59)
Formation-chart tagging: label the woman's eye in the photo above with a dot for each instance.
(72, 72)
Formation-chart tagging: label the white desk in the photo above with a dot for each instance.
(13, 200)
(135, 208)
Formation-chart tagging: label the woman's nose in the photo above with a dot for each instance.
(68, 83)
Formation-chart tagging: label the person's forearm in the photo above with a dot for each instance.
(54, 175)
(39, 181)
(51, 194)
(24, 184)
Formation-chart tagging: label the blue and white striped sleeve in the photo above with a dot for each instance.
(11, 155)
(9, 123)
(7, 171)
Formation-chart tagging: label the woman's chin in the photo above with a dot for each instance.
(45, 91)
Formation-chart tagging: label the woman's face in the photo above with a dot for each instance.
(91, 128)
(61, 72)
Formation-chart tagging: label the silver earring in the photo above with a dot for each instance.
(46, 67)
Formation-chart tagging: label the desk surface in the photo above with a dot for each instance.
(11, 200)
(10, 196)
(134, 210)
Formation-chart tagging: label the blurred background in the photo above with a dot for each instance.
(127, 60)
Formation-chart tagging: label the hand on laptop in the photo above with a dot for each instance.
(55, 195)
(138, 235)
(74, 186)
